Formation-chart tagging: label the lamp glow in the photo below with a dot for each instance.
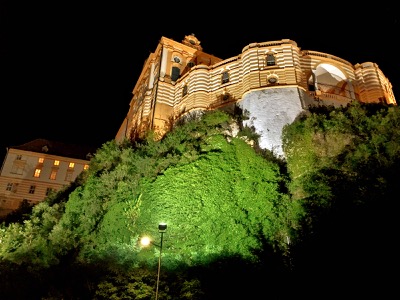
(145, 241)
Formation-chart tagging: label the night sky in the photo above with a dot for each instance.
(69, 67)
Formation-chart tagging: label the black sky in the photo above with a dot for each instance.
(69, 67)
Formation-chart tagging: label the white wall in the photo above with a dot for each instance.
(269, 111)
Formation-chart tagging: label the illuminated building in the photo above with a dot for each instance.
(273, 81)
(33, 170)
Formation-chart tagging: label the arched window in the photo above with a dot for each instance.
(225, 77)
(175, 73)
(271, 59)
(184, 90)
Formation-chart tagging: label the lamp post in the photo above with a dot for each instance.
(162, 227)
(145, 241)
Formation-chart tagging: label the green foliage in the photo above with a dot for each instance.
(342, 157)
(214, 205)
(137, 285)
(27, 242)
(123, 195)
(223, 201)
(140, 283)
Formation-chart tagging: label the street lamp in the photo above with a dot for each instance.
(162, 227)
(145, 241)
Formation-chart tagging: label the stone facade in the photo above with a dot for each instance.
(274, 81)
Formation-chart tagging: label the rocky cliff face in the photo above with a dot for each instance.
(269, 111)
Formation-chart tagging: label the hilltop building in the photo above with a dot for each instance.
(33, 170)
(273, 81)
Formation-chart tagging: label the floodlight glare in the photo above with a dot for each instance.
(145, 241)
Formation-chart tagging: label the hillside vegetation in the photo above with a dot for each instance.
(238, 217)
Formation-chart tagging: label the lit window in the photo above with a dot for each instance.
(56, 162)
(53, 175)
(225, 77)
(41, 160)
(86, 167)
(37, 173)
(32, 189)
(71, 165)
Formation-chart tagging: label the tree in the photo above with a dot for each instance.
(342, 163)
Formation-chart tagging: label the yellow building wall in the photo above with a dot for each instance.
(158, 99)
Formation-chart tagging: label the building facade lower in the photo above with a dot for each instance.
(33, 170)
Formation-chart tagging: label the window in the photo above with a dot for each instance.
(177, 59)
(271, 59)
(49, 191)
(225, 77)
(18, 167)
(9, 187)
(86, 167)
(56, 163)
(71, 165)
(37, 173)
(68, 176)
(53, 175)
(191, 64)
(12, 187)
(184, 90)
(175, 73)
(32, 189)
(41, 160)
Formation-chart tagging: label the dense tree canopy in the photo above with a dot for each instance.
(343, 165)
(232, 209)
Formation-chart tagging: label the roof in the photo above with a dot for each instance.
(58, 148)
